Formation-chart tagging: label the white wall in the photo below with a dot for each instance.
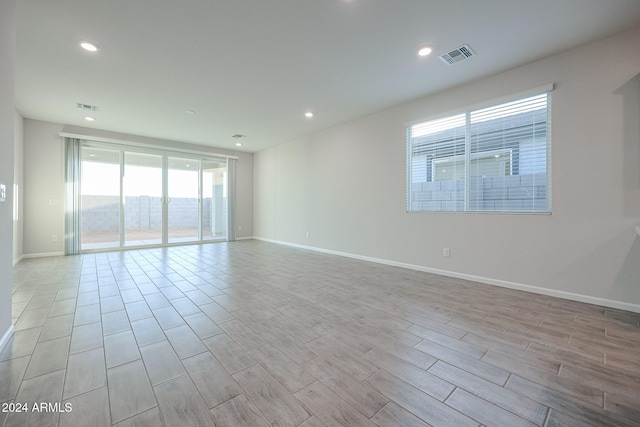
(346, 185)
(7, 123)
(18, 179)
(43, 192)
(44, 182)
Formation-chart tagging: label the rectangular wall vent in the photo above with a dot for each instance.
(457, 55)
(87, 106)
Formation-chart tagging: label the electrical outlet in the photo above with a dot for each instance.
(307, 235)
(239, 228)
(446, 252)
(3, 193)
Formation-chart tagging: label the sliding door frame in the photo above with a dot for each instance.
(198, 158)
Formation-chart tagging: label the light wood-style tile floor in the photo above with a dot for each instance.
(256, 334)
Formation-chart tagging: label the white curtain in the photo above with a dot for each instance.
(72, 196)
(231, 199)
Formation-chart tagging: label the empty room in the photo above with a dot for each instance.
(320, 213)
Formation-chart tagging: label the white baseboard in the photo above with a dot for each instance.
(489, 281)
(244, 238)
(16, 261)
(42, 255)
(6, 338)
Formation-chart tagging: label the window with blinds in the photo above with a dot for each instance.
(495, 159)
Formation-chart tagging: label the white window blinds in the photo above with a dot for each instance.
(494, 159)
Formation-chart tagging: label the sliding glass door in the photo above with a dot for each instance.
(142, 190)
(100, 198)
(140, 197)
(183, 200)
(214, 197)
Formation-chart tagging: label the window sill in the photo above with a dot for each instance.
(489, 213)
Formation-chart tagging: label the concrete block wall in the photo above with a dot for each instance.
(206, 213)
(143, 212)
(103, 212)
(100, 213)
(510, 193)
(183, 212)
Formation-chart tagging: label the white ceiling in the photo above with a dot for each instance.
(254, 67)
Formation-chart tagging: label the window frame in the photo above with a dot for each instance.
(468, 156)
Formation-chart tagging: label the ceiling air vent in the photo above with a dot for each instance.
(457, 55)
(86, 106)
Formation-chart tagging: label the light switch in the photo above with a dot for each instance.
(3, 193)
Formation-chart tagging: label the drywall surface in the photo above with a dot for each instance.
(18, 185)
(43, 193)
(346, 188)
(44, 182)
(7, 123)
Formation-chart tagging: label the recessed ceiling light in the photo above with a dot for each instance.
(89, 46)
(496, 156)
(425, 51)
(90, 119)
(190, 112)
(308, 114)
